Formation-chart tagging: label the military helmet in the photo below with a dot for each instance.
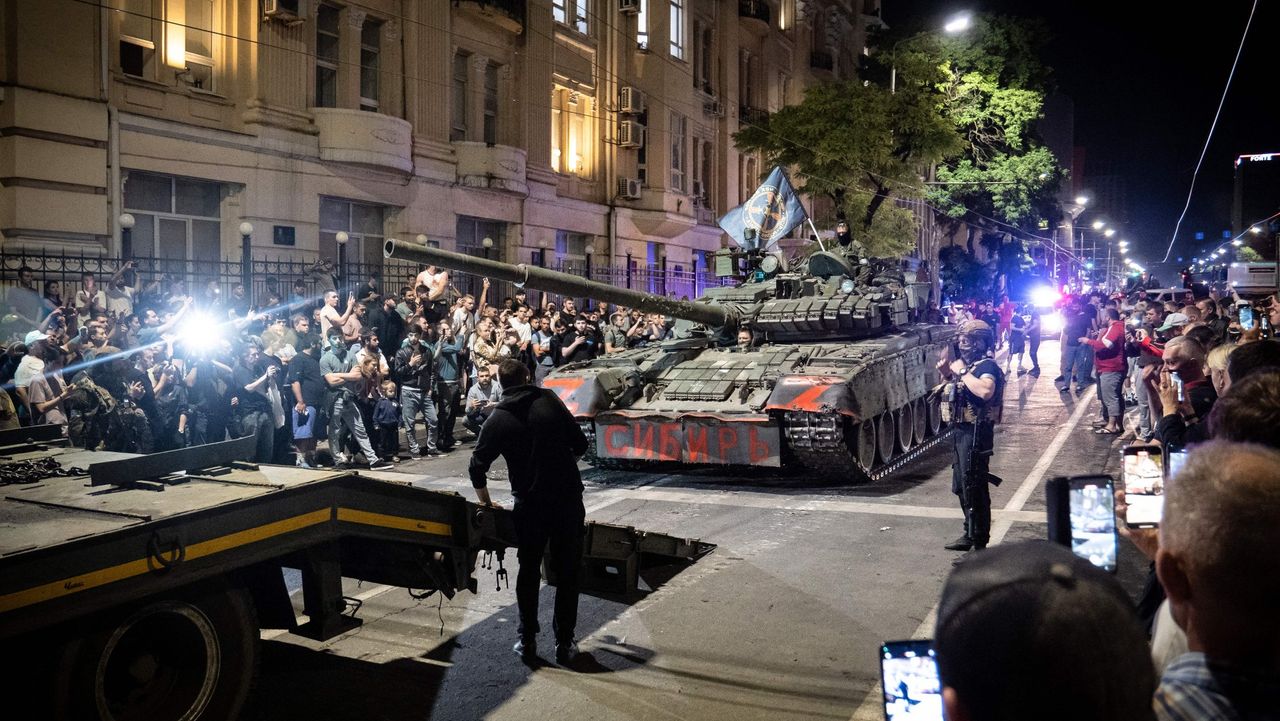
(978, 330)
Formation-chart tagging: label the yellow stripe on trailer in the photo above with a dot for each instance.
(111, 574)
(400, 523)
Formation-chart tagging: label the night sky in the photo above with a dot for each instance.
(1146, 87)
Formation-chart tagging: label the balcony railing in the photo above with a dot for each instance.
(748, 115)
(754, 10)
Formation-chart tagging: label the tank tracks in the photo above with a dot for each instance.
(820, 443)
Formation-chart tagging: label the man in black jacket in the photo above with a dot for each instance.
(540, 441)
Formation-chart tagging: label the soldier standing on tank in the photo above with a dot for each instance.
(974, 391)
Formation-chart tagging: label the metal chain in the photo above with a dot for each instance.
(35, 469)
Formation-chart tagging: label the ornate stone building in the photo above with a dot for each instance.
(551, 127)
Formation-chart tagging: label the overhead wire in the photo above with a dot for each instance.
(1212, 127)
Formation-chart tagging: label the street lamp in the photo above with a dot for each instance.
(589, 250)
(342, 239)
(1108, 232)
(542, 253)
(421, 238)
(1099, 225)
(246, 253)
(126, 222)
(956, 25)
(486, 243)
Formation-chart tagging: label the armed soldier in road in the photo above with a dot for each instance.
(973, 394)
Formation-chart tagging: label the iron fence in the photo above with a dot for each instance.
(267, 275)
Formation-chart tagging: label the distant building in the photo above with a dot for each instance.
(1256, 200)
(547, 126)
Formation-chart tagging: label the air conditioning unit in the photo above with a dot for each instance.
(630, 100)
(629, 188)
(629, 7)
(714, 108)
(630, 134)
(282, 10)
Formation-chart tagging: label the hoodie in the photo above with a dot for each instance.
(540, 441)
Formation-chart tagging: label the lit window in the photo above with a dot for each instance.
(370, 50)
(199, 43)
(677, 28)
(327, 56)
(570, 147)
(642, 25)
(572, 13)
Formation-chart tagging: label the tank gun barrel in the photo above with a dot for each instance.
(557, 282)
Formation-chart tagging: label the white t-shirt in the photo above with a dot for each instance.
(329, 318)
(523, 330)
(120, 301)
(29, 368)
(84, 300)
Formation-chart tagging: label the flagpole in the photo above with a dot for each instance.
(815, 233)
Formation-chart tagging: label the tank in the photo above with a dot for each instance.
(838, 382)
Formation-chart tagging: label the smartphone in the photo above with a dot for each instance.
(1082, 517)
(909, 677)
(1143, 469)
(1176, 460)
(1246, 317)
(1177, 383)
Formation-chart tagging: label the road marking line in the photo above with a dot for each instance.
(871, 708)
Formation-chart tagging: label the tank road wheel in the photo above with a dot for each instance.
(920, 420)
(866, 444)
(185, 658)
(884, 436)
(935, 414)
(905, 418)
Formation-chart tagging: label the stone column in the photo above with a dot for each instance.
(475, 101)
(349, 56)
(391, 81)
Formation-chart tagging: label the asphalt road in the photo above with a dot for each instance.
(782, 620)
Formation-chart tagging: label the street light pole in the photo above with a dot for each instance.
(342, 239)
(246, 254)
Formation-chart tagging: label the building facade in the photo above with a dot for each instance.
(544, 129)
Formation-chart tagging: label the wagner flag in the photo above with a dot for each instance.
(772, 211)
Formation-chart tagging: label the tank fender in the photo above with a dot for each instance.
(582, 393)
(812, 393)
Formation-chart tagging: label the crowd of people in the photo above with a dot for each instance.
(1030, 630)
(1166, 358)
(142, 365)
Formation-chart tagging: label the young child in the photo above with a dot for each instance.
(386, 421)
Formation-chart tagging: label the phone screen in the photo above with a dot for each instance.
(909, 677)
(1176, 459)
(1093, 521)
(1143, 485)
(1246, 317)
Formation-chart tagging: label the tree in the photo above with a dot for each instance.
(1246, 254)
(862, 147)
(993, 89)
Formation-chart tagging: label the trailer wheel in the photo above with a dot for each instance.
(184, 658)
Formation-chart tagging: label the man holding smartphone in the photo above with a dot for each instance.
(482, 398)
(976, 396)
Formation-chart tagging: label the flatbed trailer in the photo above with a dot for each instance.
(137, 586)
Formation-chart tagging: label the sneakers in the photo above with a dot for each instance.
(1034, 372)
(301, 463)
(566, 652)
(962, 543)
(380, 465)
(526, 650)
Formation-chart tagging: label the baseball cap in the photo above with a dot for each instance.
(1024, 622)
(35, 336)
(1173, 320)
